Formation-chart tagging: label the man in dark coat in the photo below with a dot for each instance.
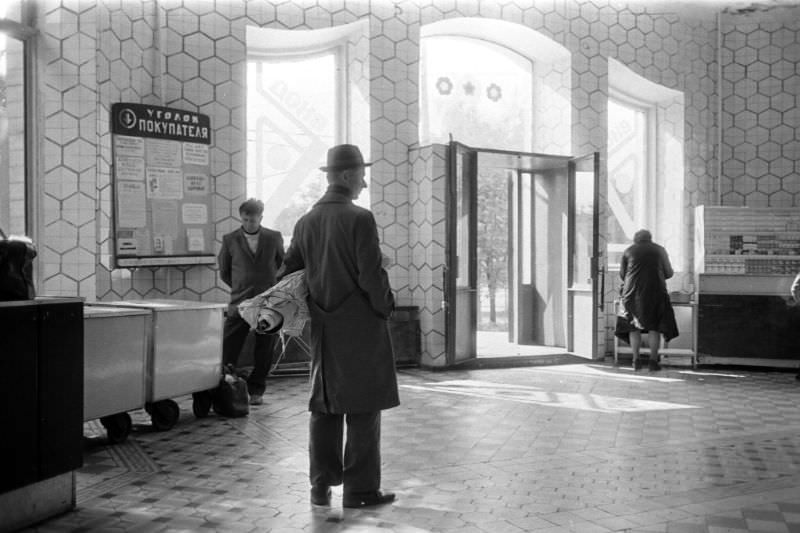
(644, 269)
(352, 362)
(248, 262)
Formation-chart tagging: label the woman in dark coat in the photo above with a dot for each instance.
(644, 269)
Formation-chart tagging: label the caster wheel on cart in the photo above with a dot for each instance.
(163, 414)
(201, 403)
(118, 427)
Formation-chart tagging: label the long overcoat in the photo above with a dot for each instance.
(644, 269)
(350, 301)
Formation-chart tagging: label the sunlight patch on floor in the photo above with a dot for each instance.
(535, 395)
(606, 372)
(496, 344)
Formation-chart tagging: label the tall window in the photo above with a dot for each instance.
(478, 91)
(291, 122)
(629, 125)
(15, 208)
(645, 165)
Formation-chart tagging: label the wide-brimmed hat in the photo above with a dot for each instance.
(344, 156)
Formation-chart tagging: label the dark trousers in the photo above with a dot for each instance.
(234, 335)
(359, 468)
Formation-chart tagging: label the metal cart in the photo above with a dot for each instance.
(115, 353)
(184, 355)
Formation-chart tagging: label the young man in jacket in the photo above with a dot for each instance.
(352, 363)
(248, 263)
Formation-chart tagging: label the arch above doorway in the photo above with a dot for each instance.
(544, 106)
(521, 39)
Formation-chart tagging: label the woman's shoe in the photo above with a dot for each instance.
(637, 364)
(654, 366)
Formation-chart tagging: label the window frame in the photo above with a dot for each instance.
(26, 35)
(341, 95)
(647, 204)
(309, 47)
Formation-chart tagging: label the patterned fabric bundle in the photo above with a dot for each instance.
(281, 307)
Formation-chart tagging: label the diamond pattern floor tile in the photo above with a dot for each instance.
(587, 448)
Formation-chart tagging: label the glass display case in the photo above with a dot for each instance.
(745, 261)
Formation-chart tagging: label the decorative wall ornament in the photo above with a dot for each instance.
(444, 85)
(494, 92)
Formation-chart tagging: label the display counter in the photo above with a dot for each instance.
(745, 261)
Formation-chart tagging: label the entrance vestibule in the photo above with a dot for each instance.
(521, 255)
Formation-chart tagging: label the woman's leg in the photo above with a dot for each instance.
(636, 346)
(654, 340)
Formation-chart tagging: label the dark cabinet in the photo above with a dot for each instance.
(41, 392)
(748, 326)
(404, 327)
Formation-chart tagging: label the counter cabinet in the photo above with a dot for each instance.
(41, 363)
(751, 322)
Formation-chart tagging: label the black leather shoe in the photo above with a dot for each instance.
(654, 366)
(637, 364)
(321, 495)
(369, 499)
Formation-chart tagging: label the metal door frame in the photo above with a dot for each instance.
(597, 275)
(450, 270)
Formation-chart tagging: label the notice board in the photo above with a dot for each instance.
(162, 190)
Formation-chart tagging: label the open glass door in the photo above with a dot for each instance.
(506, 277)
(461, 272)
(583, 258)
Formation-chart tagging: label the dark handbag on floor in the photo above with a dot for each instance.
(16, 268)
(230, 398)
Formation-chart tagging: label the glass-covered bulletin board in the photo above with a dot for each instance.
(162, 186)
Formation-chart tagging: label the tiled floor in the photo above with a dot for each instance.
(584, 447)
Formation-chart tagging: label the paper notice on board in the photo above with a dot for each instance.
(165, 218)
(164, 183)
(162, 153)
(195, 185)
(163, 244)
(131, 208)
(142, 236)
(195, 154)
(195, 240)
(194, 213)
(133, 241)
(128, 146)
(127, 242)
(129, 168)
